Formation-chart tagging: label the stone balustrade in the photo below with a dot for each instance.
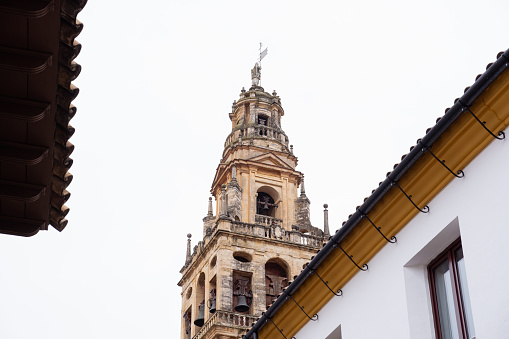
(267, 221)
(275, 232)
(226, 318)
(265, 227)
(257, 131)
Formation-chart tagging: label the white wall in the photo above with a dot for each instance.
(391, 300)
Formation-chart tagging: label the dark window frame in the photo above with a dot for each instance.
(449, 255)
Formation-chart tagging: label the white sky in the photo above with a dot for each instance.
(360, 82)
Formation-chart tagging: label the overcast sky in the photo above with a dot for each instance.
(360, 82)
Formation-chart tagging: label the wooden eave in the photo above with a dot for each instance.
(36, 91)
(458, 145)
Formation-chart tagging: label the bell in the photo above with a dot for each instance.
(265, 206)
(242, 305)
(200, 320)
(212, 305)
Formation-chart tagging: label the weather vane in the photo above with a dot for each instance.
(262, 54)
(256, 71)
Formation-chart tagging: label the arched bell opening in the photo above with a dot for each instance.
(263, 120)
(267, 202)
(265, 205)
(276, 279)
(211, 302)
(187, 323)
(242, 294)
(200, 301)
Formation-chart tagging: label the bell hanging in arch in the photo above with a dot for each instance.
(242, 305)
(212, 305)
(201, 318)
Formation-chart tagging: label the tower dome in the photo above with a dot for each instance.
(256, 120)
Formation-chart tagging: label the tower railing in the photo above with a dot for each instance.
(267, 221)
(257, 131)
(227, 318)
(275, 232)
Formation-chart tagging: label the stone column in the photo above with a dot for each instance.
(206, 296)
(252, 197)
(284, 206)
(258, 286)
(234, 197)
(224, 285)
(252, 119)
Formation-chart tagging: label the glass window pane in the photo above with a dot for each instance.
(445, 301)
(465, 299)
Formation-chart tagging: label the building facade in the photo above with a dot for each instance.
(261, 234)
(423, 256)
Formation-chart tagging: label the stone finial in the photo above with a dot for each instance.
(243, 90)
(291, 149)
(302, 211)
(274, 93)
(223, 213)
(326, 231)
(188, 253)
(234, 173)
(209, 213)
(302, 188)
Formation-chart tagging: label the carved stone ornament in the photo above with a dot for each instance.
(277, 232)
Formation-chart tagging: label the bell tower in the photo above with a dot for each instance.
(261, 234)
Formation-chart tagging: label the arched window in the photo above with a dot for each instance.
(263, 120)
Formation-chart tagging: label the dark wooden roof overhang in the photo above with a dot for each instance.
(37, 49)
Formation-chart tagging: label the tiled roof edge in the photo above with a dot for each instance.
(68, 70)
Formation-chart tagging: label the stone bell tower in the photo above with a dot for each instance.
(261, 234)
